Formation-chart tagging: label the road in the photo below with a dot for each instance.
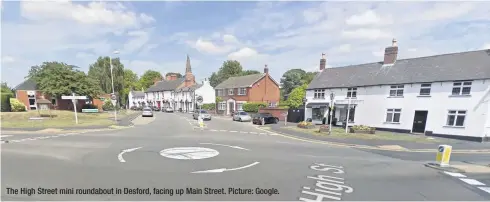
(173, 159)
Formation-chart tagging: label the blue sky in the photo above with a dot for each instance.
(157, 35)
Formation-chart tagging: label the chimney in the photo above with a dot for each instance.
(168, 77)
(391, 53)
(173, 77)
(323, 62)
(266, 69)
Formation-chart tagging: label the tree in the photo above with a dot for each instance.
(57, 79)
(230, 68)
(5, 88)
(130, 82)
(295, 99)
(294, 78)
(249, 72)
(149, 78)
(178, 74)
(100, 71)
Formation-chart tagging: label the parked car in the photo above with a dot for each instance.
(264, 117)
(242, 116)
(164, 109)
(169, 110)
(147, 112)
(204, 114)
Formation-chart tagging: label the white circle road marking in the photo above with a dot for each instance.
(188, 153)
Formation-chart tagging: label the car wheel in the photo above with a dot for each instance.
(240, 120)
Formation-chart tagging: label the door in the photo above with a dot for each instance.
(419, 121)
(231, 106)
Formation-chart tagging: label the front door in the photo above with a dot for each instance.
(419, 121)
(231, 106)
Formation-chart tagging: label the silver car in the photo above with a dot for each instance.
(204, 115)
(242, 116)
(170, 110)
(147, 112)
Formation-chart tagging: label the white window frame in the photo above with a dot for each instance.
(319, 94)
(461, 86)
(272, 104)
(231, 91)
(457, 114)
(242, 91)
(425, 86)
(351, 92)
(222, 106)
(239, 106)
(397, 89)
(393, 111)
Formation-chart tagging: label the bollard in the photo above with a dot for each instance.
(443, 155)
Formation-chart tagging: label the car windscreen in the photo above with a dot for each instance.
(243, 113)
(204, 112)
(147, 110)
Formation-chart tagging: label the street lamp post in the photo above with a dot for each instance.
(304, 103)
(112, 83)
(332, 97)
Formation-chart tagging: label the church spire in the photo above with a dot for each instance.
(188, 65)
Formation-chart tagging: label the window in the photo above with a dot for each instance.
(455, 118)
(319, 94)
(230, 91)
(396, 90)
(222, 106)
(239, 106)
(272, 104)
(53, 101)
(351, 92)
(425, 89)
(461, 88)
(242, 91)
(393, 115)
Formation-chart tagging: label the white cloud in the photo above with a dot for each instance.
(243, 53)
(345, 48)
(138, 39)
(225, 44)
(369, 17)
(7, 59)
(486, 46)
(230, 39)
(312, 15)
(209, 47)
(364, 33)
(97, 13)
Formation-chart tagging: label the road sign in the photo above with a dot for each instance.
(113, 97)
(199, 99)
(73, 97)
(443, 155)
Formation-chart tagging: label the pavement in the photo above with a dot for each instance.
(169, 157)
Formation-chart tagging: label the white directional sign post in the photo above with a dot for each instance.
(199, 102)
(114, 102)
(74, 99)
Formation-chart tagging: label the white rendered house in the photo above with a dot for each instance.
(136, 99)
(443, 95)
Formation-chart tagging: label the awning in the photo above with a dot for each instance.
(317, 105)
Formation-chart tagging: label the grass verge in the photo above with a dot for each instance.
(59, 118)
(339, 133)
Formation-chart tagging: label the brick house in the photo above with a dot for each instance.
(235, 91)
(28, 93)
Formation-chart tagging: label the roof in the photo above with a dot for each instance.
(448, 67)
(165, 85)
(138, 93)
(240, 81)
(43, 101)
(28, 84)
(190, 88)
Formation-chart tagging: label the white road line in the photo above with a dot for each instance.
(243, 132)
(472, 182)
(235, 147)
(213, 130)
(220, 170)
(223, 130)
(232, 131)
(252, 132)
(485, 189)
(455, 174)
(263, 133)
(5, 136)
(119, 156)
(247, 166)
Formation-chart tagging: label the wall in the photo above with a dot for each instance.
(265, 90)
(207, 92)
(375, 101)
(276, 112)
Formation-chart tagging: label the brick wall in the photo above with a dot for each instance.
(264, 90)
(277, 112)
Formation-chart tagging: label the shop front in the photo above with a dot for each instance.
(342, 112)
(316, 112)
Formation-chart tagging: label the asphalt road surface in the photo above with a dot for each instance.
(171, 158)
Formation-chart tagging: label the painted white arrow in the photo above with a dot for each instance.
(235, 147)
(220, 170)
(120, 156)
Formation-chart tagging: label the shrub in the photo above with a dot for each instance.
(324, 128)
(211, 106)
(5, 102)
(362, 127)
(89, 106)
(108, 106)
(16, 105)
(253, 106)
(304, 124)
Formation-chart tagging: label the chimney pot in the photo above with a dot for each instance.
(266, 69)
(323, 62)
(393, 42)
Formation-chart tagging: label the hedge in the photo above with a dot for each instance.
(210, 106)
(253, 107)
(5, 102)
